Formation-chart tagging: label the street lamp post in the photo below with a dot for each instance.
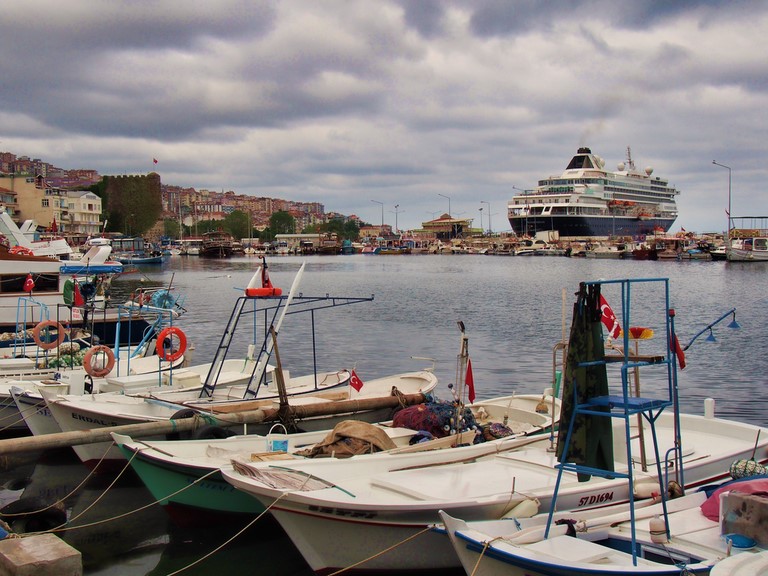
(728, 228)
(481, 218)
(490, 230)
(449, 202)
(397, 211)
(382, 211)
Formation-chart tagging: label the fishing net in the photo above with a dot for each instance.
(438, 419)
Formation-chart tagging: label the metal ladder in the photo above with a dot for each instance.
(624, 406)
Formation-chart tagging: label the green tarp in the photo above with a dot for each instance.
(592, 438)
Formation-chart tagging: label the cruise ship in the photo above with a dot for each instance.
(587, 201)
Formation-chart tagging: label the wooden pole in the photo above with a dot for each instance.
(75, 438)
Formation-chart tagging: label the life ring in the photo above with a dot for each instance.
(47, 325)
(106, 368)
(262, 292)
(23, 250)
(170, 354)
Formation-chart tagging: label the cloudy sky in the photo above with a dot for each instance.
(420, 105)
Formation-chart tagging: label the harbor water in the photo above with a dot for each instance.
(514, 311)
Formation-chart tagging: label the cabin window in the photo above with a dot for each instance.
(761, 244)
(15, 283)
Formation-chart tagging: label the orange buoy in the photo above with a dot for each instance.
(47, 325)
(105, 368)
(167, 334)
(266, 289)
(262, 292)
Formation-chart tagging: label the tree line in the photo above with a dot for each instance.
(238, 224)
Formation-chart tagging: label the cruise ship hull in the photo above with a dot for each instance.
(589, 226)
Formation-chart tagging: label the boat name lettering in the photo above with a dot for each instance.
(342, 512)
(93, 420)
(596, 499)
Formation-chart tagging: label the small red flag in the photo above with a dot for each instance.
(29, 284)
(355, 382)
(608, 318)
(54, 228)
(469, 382)
(154, 160)
(678, 350)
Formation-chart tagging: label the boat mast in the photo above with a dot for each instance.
(630, 163)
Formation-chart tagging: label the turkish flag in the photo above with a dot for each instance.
(608, 318)
(355, 382)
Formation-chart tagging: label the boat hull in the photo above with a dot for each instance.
(740, 255)
(588, 226)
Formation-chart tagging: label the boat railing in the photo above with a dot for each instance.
(26, 307)
(268, 308)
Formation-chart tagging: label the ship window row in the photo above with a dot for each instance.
(572, 181)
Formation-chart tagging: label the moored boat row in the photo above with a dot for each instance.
(384, 506)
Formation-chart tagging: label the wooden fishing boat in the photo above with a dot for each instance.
(184, 474)
(216, 244)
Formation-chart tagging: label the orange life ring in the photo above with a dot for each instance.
(262, 292)
(106, 368)
(21, 250)
(171, 355)
(48, 324)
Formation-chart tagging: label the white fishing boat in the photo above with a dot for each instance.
(255, 386)
(600, 543)
(375, 505)
(748, 242)
(376, 516)
(172, 469)
(676, 534)
(79, 412)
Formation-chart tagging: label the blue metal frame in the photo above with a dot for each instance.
(623, 406)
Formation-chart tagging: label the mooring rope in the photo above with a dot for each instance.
(15, 420)
(482, 553)
(63, 527)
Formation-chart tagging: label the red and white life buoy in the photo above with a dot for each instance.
(99, 369)
(260, 285)
(47, 325)
(170, 353)
(23, 250)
